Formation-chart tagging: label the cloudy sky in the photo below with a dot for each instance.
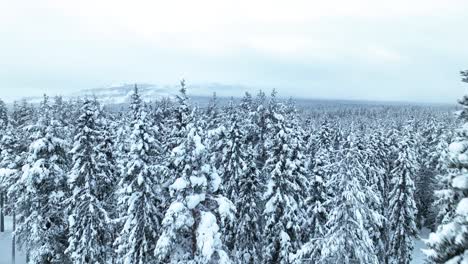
(348, 49)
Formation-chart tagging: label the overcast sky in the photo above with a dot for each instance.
(349, 49)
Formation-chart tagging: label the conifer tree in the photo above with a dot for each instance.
(402, 205)
(140, 196)
(91, 182)
(247, 232)
(286, 186)
(191, 226)
(39, 205)
(182, 117)
(314, 228)
(449, 244)
(347, 239)
(3, 115)
(377, 154)
(228, 157)
(444, 195)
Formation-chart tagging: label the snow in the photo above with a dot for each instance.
(5, 245)
(198, 181)
(419, 245)
(270, 206)
(179, 184)
(178, 211)
(284, 237)
(463, 158)
(6, 172)
(460, 182)
(38, 145)
(71, 220)
(462, 208)
(177, 151)
(199, 147)
(226, 208)
(215, 182)
(207, 234)
(194, 200)
(457, 147)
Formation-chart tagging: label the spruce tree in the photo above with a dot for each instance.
(92, 183)
(314, 228)
(402, 205)
(247, 232)
(348, 240)
(191, 226)
(41, 225)
(283, 213)
(449, 244)
(3, 115)
(140, 197)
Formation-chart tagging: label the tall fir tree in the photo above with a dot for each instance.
(402, 205)
(247, 232)
(41, 225)
(227, 151)
(3, 115)
(348, 240)
(314, 227)
(191, 230)
(449, 244)
(91, 182)
(284, 213)
(140, 196)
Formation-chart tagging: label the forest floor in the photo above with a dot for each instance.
(5, 246)
(418, 255)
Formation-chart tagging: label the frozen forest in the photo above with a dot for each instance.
(256, 179)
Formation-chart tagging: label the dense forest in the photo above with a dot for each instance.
(255, 180)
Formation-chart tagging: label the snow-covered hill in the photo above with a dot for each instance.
(121, 93)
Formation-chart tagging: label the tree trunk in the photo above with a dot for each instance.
(13, 241)
(2, 220)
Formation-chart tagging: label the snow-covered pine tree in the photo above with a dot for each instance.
(41, 225)
(247, 104)
(247, 227)
(92, 183)
(3, 186)
(212, 114)
(378, 154)
(191, 225)
(182, 117)
(22, 114)
(162, 118)
(347, 239)
(22, 119)
(140, 198)
(10, 160)
(231, 149)
(286, 187)
(121, 141)
(402, 205)
(449, 244)
(444, 195)
(314, 228)
(3, 115)
(61, 111)
(425, 176)
(227, 149)
(261, 120)
(325, 136)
